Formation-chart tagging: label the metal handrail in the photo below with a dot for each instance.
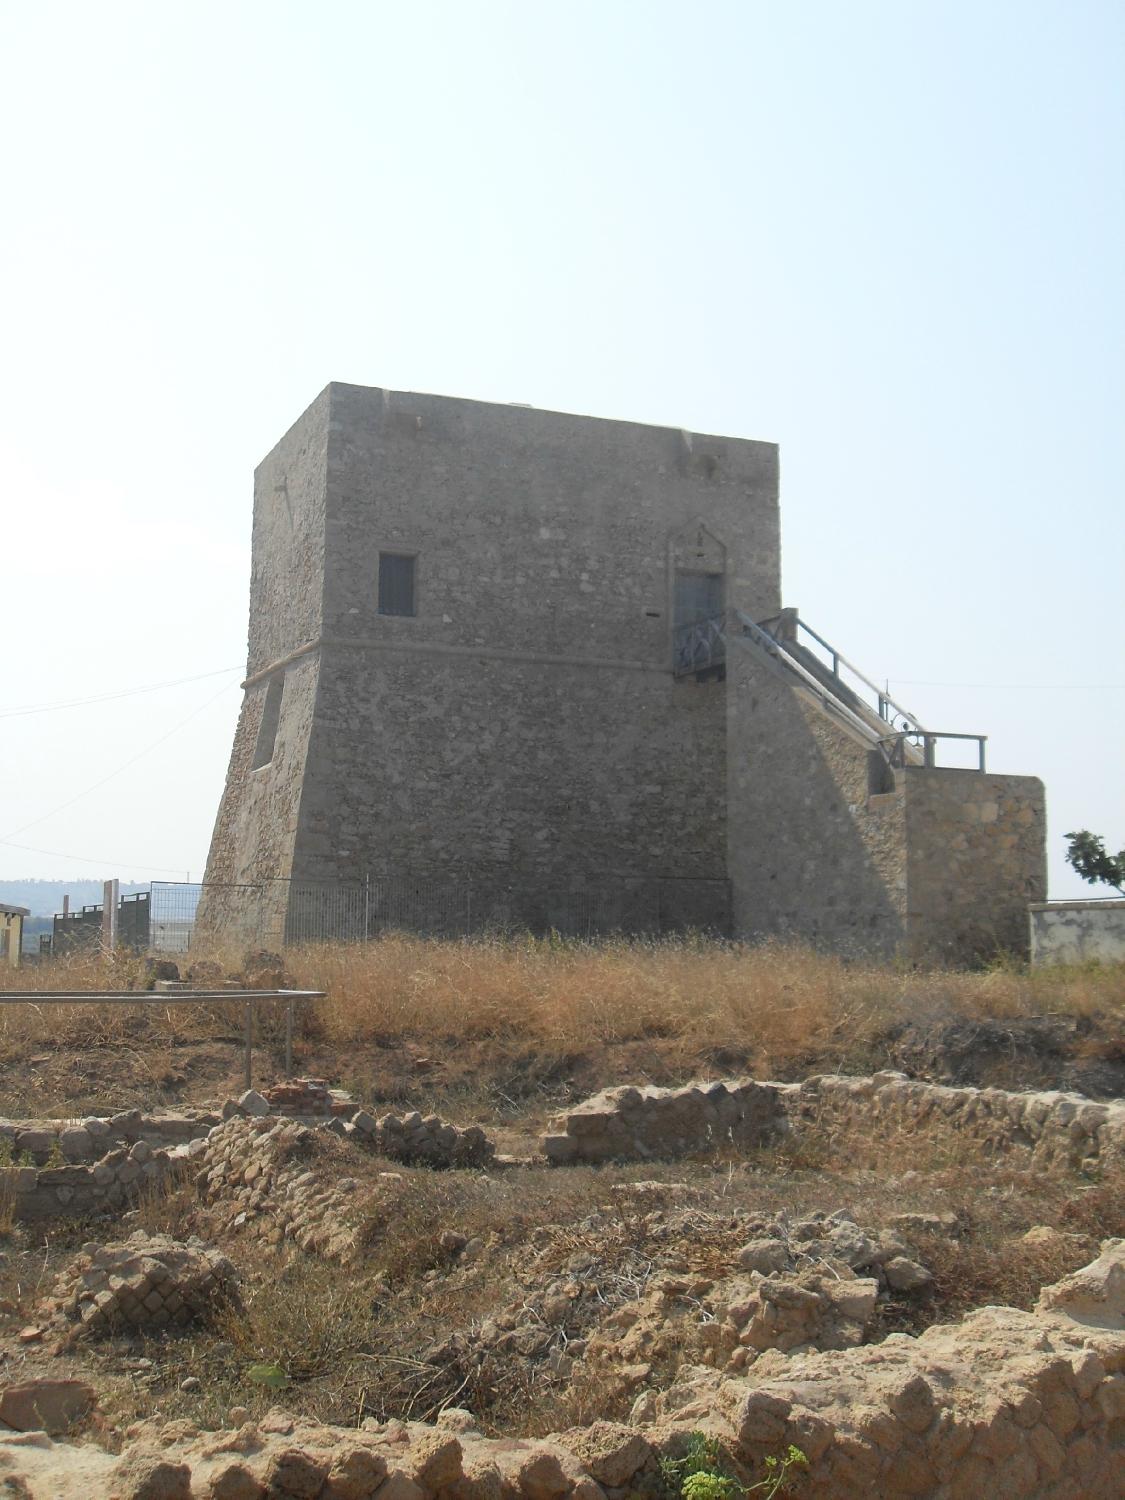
(178, 997)
(762, 637)
(929, 739)
(887, 707)
(700, 644)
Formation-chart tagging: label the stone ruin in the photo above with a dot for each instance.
(1025, 1405)
(146, 1282)
(410, 1138)
(620, 1123)
(629, 1123)
(261, 1175)
(110, 1184)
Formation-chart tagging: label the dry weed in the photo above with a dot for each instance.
(769, 1009)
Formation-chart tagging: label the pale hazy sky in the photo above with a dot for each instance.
(888, 236)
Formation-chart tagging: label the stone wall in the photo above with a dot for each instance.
(543, 547)
(624, 1123)
(539, 533)
(524, 725)
(617, 773)
(258, 813)
(148, 1281)
(1054, 1127)
(629, 1123)
(827, 844)
(1020, 1404)
(268, 1177)
(976, 858)
(1077, 932)
(88, 1139)
(817, 847)
(76, 1191)
(1024, 1405)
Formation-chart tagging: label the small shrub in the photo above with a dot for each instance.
(702, 1472)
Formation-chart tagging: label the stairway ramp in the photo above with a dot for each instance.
(836, 684)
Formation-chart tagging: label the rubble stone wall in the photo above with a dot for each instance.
(1055, 1127)
(260, 1175)
(72, 1191)
(1006, 1402)
(653, 1122)
(87, 1140)
(1024, 1405)
(626, 1123)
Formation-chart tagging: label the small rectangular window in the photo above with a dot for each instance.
(396, 584)
(267, 729)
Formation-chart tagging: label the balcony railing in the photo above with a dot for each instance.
(700, 646)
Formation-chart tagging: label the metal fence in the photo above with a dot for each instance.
(277, 913)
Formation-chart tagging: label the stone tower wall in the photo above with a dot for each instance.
(524, 726)
(977, 860)
(523, 732)
(817, 849)
(256, 825)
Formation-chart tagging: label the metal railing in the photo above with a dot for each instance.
(909, 745)
(927, 740)
(884, 705)
(246, 998)
(279, 913)
(750, 630)
(700, 646)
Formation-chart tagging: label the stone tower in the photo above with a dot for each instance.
(466, 669)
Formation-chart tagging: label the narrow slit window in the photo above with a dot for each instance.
(267, 729)
(396, 583)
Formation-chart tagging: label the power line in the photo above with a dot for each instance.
(124, 766)
(1023, 687)
(50, 708)
(84, 859)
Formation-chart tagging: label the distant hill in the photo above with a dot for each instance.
(44, 897)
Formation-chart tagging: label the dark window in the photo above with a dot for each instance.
(267, 729)
(396, 584)
(699, 596)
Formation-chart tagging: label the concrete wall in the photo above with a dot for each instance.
(1075, 932)
(976, 857)
(11, 939)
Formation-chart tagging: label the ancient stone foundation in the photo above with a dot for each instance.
(149, 1282)
(1055, 1128)
(1023, 1405)
(74, 1191)
(1003, 1403)
(628, 1123)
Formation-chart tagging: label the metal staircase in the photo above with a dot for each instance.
(837, 685)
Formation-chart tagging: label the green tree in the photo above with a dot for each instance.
(1086, 853)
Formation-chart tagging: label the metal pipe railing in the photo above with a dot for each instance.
(929, 739)
(246, 998)
(886, 706)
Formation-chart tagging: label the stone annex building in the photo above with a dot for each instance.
(542, 659)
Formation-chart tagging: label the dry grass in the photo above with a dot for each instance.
(790, 1001)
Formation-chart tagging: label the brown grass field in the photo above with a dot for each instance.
(520, 1016)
